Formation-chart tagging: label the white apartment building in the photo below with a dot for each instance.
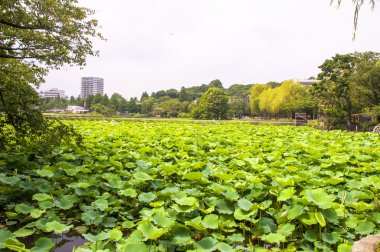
(52, 93)
(91, 86)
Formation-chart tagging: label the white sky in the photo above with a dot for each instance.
(161, 44)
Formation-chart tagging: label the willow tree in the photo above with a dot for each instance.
(36, 36)
(358, 5)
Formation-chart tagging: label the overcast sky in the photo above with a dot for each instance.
(161, 44)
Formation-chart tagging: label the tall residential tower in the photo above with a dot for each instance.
(91, 86)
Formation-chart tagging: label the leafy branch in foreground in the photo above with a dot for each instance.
(36, 36)
(358, 4)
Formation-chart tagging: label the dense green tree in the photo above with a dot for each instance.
(144, 95)
(334, 89)
(238, 90)
(103, 109)
(36, 36)
(172, 93)
(105, 100)
(256, 91)
(170, 108)
(215, 83)
(159, 94)
(89, 101)
(365, 88)
(98, 98)
(184, 95)
(132, 106)
(147, 105)
(212, 105)
(117, 101)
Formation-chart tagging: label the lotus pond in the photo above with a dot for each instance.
(194, 186)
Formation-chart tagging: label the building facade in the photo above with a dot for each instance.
(52, 93)
(91, 86)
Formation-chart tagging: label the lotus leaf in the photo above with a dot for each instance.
(211, 221)
(320, 198)
(273, 238)
(14, 244)
(244, 204)
(206, 244)
(149, 231)
(43, 244)
(56, 227)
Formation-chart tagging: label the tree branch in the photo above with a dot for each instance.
(24, 27)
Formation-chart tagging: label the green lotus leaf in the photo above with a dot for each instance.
(376, 217)
(206, 244)
(142, 176)
(163, 220)
(344, 248)
(194, 176)
(320, 218)
(310, 235)
(22, 232)
(182, 208)
(66, 202)
(45, 173)
(14, 244)
(286, 194)
(147, 197)
(5, 234)
(224, 176)
(284, 182)
(196, 223)
(23, 208)
(56, 227)
(231, 194)
(82, 185)
(286, 229)
(9, 180)
(128, 224)
(225, 207)
(244, 204)
(150, 232)
(42, 197)
(331, 238)
(116, 183)
(109, 222)
(308, 218)
(365, 227)
(128, 193)
(273, 238)
(264, 226)
(320, 198)
(101, 204)
(133, 246)
(115, 235)
(211, 221)
(235, 238)
(224, 247)
(244, 215)
(42, 245)
(181, 234)
(45, 204)
(265, 204)
(295, 211)
(186, 201)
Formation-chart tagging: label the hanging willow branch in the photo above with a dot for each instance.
(358, 4)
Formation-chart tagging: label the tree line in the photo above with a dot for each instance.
(347, 84)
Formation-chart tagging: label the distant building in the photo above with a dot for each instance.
(52, 93)
(91, 86)
(77, 110)
(307, 82)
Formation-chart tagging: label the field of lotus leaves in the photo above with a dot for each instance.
(194, 186)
